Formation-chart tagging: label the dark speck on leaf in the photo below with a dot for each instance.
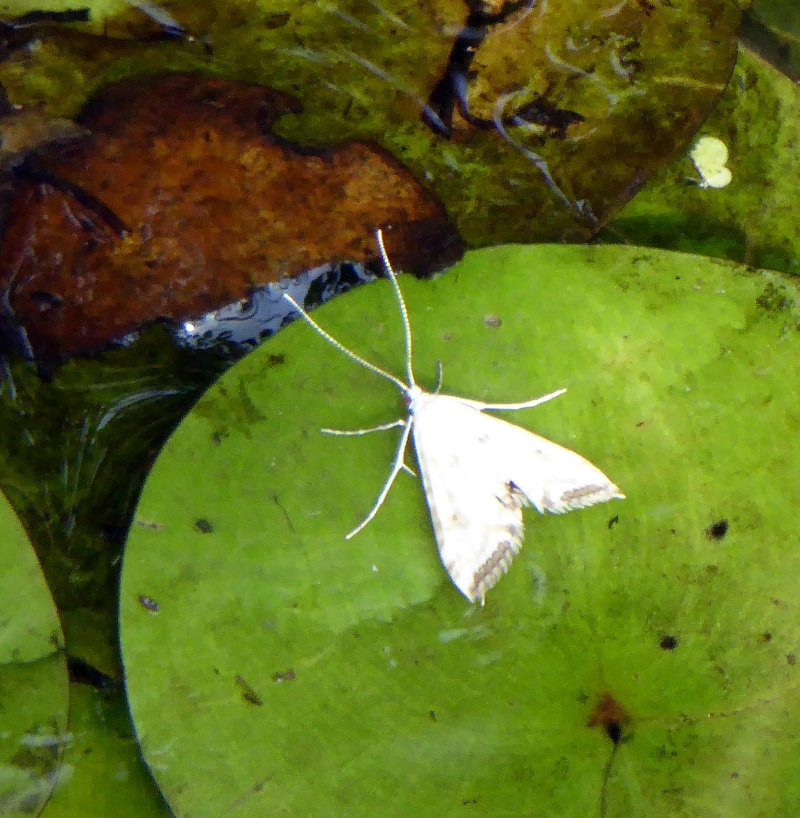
(149, 603)
(248, 694)
(614, 731)
(149, 525)
(716, 531)
(668, 642)
(204, 526)
(285, 676)
(772, 299)
(613, 521)
(276, 360)
(791, 658)
(541, 112)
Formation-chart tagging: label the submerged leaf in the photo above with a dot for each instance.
(182, 201)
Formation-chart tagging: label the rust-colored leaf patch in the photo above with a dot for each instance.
(610, 714)
(181, 201)
(25, 131)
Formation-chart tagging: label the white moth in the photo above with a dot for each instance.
(477, 471)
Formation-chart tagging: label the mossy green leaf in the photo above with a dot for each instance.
(33, 676)
(752, 220)
(639, 657)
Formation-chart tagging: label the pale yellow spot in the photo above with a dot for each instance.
(709, 156)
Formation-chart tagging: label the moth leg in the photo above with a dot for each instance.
(384, 427)
(358, 432)
(397, 466)
(512, 407)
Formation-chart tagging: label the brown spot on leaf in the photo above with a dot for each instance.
(213, 205)
(611, 716)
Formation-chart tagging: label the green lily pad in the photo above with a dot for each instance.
(639, 657)
(106, 773)
(33, 676)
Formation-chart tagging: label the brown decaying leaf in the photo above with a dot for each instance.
(212, 205)
(25, 131)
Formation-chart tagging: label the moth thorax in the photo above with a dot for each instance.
(411, 394)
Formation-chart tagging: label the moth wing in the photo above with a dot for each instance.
(478, 472)
(476, 519)
(553, 478)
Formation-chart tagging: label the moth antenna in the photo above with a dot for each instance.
(401, 302)
(438, 377)
(342, 348)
